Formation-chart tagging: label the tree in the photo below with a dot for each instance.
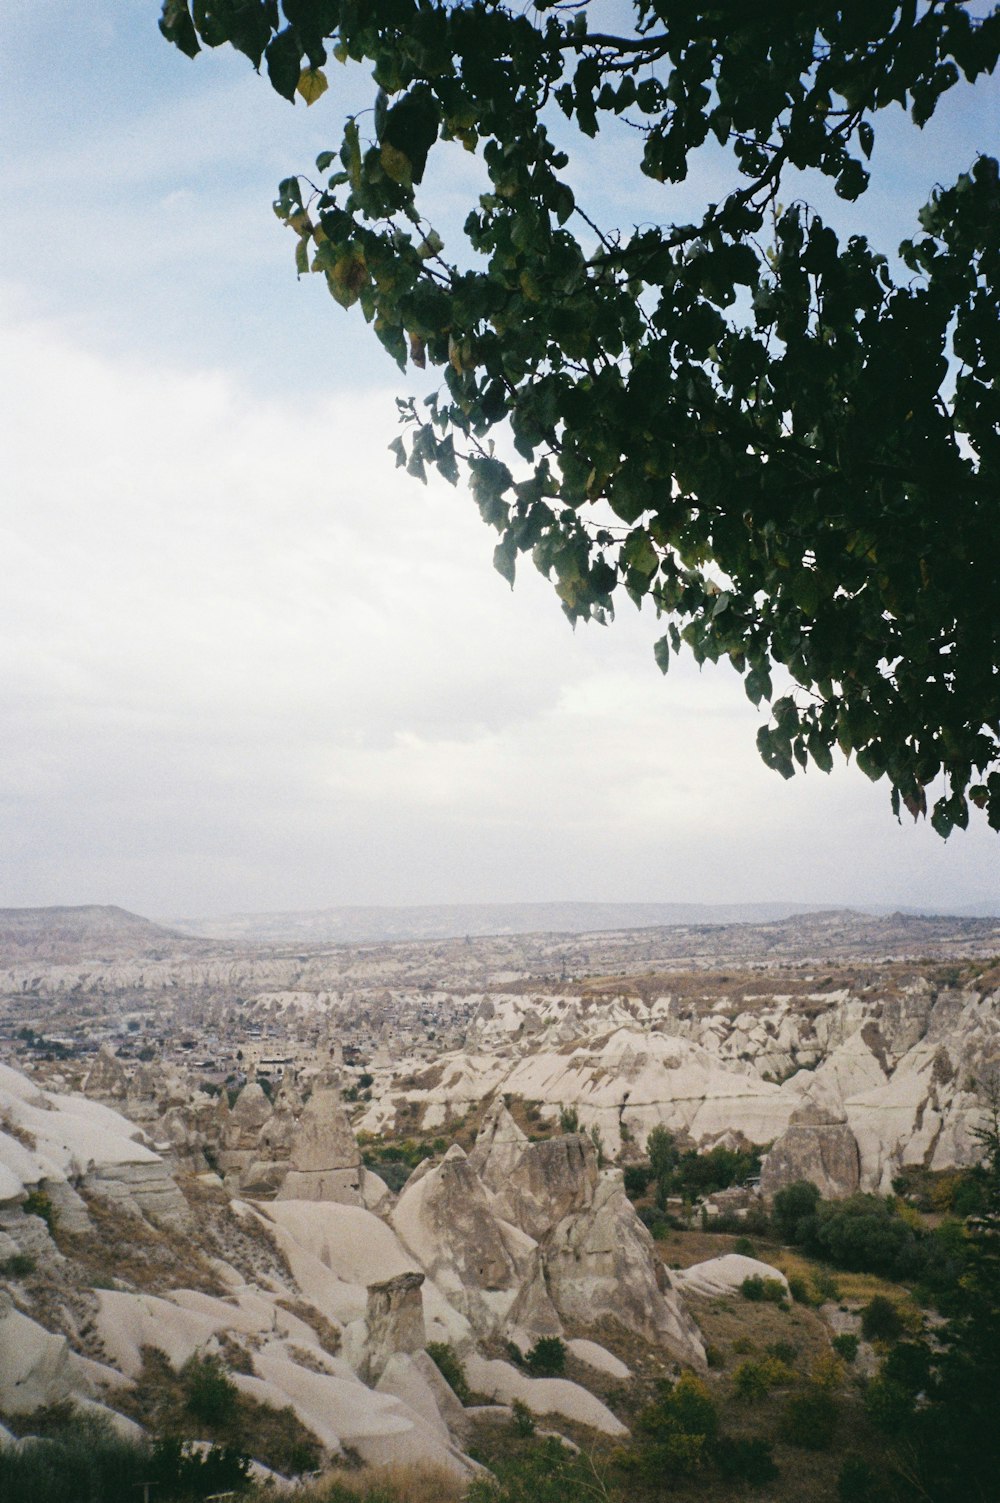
(661, 1151)
(938, 1399)
(783, 440)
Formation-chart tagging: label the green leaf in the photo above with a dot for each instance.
(284, 63)
(177, 26)
(661, 652)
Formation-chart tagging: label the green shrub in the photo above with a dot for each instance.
(856, 1482)
(810, 1419)
(675, 1430)
(210, 1395)
(745, 1459)
(755, 1379)
(17, 1266)
(569, 1119)
(826, 1286)
(881, 1320)
(180, 1469)
(84, 1460)
(534, 1471)
(714, 1356)
(799, 1289)
(448, 1364)
(523, 1419)
(744, 1247)
(794, 1210)
(771, 1291)
(39, 1203)
(637, 1178)
(547, 1357)
(784, 1351)
(845, 1345)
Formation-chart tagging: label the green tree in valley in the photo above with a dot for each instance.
(662, 1153)
(781, 438)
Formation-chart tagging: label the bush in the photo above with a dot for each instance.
(784, 1351)
(569, 1119)
(637, 1178)
(533, 1471)
(676, 1429)
(443, 1355)
(210, 1395)
(84, 1459)
(38, 1203)
(856, 1482)
(754, 1380)
(179, 1469)
(845, 1345)
(547, 1357)
(799, 1289)
(810, 1419)
(757, 1289)
(794, 1208)
(523, 1419)
(744, 1247)
(745, 1459)
(881, 1320)
(18, 1266)
(826, 1286)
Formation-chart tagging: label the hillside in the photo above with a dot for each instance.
(71, 933)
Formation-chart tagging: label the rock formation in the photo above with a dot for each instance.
(324, 1159)
(817, 1145)
(394, 1321)
(106, 1079)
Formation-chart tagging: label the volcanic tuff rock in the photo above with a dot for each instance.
(547, 1182)
(324, 1158)
(817, 1145)
(394, 1321)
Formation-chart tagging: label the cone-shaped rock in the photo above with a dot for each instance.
(324, 1161)
(498, 1147)
(817, 1145)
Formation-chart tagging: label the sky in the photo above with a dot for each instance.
(244, 663)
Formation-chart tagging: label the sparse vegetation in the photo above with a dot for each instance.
(547, 1358)
(449, 1365)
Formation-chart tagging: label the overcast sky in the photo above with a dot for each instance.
(243, 663)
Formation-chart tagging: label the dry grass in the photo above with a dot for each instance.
(853, 1288)
(327, 1334)
(400, 1482)
(150, 1258)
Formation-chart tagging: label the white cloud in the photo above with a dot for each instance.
(247, 664)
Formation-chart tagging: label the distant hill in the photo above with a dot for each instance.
(478, 920)
(90, 931)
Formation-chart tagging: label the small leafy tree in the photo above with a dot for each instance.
(661, 1151)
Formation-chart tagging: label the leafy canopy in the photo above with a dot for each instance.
(787, 446)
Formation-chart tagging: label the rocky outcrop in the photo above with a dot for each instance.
(547, 1182)
(394, 1321)
(498, 1147)
(106, 1079)
(602, 1262)
(718, 1277)
(324, 1159)
(144, 1189)
(818, 1145)
(446, 1219)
